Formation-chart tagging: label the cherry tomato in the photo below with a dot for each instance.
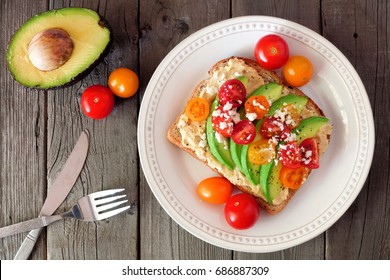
(261, 152)
(97, 102)
(271, 52)
(290, 154)
(241, 211)
(233, 92)
(273, 127)
(244, 132)
(216, 190)
(222, 122)
(292, 117)
(257, 104)
(298, 71)
(123, 82)
(310, 156)
(197, 109)
(293, 178)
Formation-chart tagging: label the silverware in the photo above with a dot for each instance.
(58, 191)
(93, 207)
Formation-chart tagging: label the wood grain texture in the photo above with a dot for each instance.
(40, 128)
(23, 129)
(163, 25)
(363, 232)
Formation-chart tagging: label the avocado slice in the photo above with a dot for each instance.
(57, 47)
(269, 173)
(309, 127)
(219, 150)
(298, 100)
(271, 91)
(270, 182)
(235, 152)
(249, 169)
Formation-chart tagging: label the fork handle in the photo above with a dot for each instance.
(29, 225)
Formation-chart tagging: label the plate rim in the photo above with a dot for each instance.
(195, 230)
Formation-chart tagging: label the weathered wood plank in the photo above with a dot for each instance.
(22, 142)
(360, 29)
(112, 158)
(309, 17)
(163, 25)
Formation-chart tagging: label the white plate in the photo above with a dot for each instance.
(173, 174)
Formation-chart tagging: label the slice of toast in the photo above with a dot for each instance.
(191, 136)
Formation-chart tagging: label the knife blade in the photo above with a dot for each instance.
(58, 191)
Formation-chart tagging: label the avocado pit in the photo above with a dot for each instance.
(50, 49)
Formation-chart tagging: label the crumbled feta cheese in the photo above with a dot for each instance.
(228, 106)
(251, 116)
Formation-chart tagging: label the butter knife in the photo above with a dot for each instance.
(58, 191)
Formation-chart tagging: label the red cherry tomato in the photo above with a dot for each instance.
(241, 211)
(273, 127)
(97, 102)
(232, 91)
(271, 52)
(222, 122)
(216, 190)
(310, 156)
(244, 132)
(290, 154)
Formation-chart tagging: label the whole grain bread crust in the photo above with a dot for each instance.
(174, 135)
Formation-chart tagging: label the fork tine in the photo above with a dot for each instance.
(112, 213)
(110, 205)
(101, 201)
(105, 193)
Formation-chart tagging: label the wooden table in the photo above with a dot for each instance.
(39, 129)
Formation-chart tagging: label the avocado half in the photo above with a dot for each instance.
(58, 47)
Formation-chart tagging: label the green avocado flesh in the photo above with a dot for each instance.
(231, 154)
(89, 33)
(271, 91)
(219, 150)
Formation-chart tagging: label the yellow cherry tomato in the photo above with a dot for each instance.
(298, 71)
(123, 82)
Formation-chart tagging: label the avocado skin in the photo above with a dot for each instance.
(102, 22)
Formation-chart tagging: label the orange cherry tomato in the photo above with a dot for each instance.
(216, 190)
(257, 104)
(298, 71)
(261, 152)
(293, 178)
(197, 109)
(123, 82)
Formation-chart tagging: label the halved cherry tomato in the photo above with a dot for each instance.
(274, 127)
(216, 190)
(97, 102)
(271, 52)
(123, 82)
(290, 154)
(257, 104)
(291, 115)
(232, 91)
(222, 122)
(293, 178)
(310, 156)
(241, 211)
(244, 132)
(197, 109)
(261, 152)
(298, 71)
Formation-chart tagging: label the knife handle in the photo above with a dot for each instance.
(29, 242)
(28, 225)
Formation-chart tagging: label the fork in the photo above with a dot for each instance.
(93, 207)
